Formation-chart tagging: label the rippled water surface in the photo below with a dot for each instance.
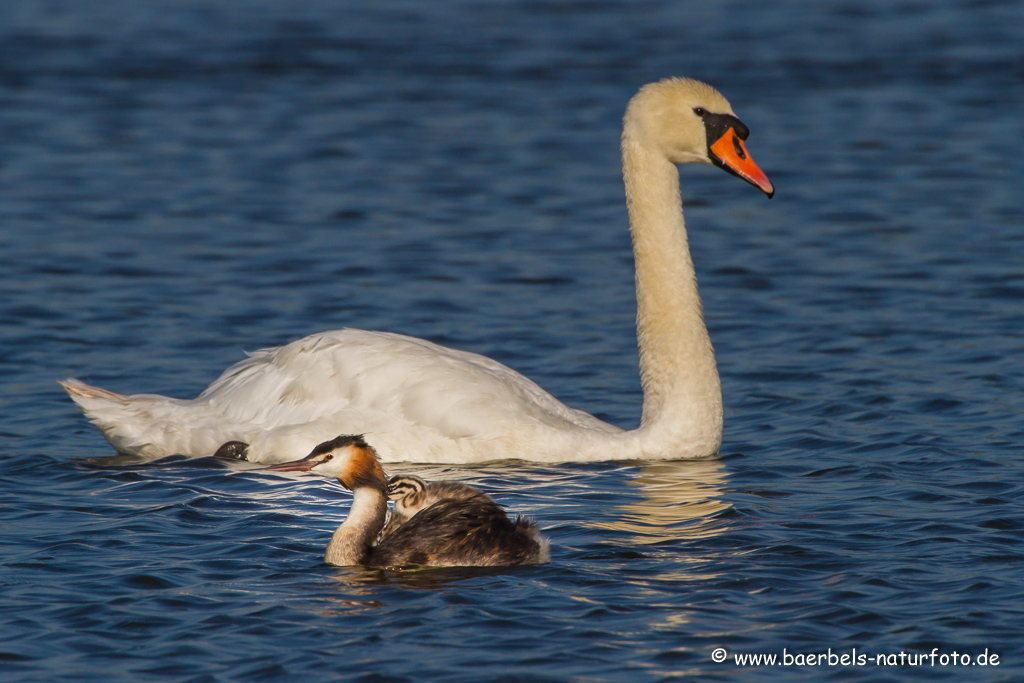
(182, 181)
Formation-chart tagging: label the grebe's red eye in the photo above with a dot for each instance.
(328, 457)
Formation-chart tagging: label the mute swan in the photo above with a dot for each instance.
(411, 494)
(469, 532)
(426, 403)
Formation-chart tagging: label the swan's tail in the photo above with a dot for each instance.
(143, 424)
(81, 392)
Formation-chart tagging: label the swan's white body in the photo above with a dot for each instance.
(420, 402)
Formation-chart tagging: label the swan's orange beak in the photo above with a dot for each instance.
(730, 153)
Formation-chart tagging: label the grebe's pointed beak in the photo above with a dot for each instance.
(729, 152)
(325, 453)
(304, 465)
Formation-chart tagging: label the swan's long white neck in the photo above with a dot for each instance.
(351, 541)
(682, 391)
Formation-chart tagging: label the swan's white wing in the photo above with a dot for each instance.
(406, 392)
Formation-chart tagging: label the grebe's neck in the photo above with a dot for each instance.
(682, 391)
(351, 542)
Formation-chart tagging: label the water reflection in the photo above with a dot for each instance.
(678, 498)
(625, 506)
(428, 578)
(122, 460)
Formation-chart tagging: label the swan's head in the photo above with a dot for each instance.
(690, 122)
(349, 459)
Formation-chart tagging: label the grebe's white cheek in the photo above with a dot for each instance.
(325, 469)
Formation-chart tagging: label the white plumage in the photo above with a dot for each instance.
(420, 402)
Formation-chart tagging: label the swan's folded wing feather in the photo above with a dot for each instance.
(374, 372)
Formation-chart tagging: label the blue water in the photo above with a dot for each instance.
(182, 181)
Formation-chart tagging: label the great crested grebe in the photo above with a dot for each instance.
(472, 532)
(427, 403)
(410, 494)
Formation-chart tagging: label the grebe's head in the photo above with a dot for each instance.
(348, 458)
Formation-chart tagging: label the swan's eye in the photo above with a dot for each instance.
(700, 111)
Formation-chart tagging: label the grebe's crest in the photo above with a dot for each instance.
(355, 440)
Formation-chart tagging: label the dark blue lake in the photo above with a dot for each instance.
(184, 181)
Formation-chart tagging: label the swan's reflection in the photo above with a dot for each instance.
(676, 493)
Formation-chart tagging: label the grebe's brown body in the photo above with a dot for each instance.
(409, 494)
(463, 528)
